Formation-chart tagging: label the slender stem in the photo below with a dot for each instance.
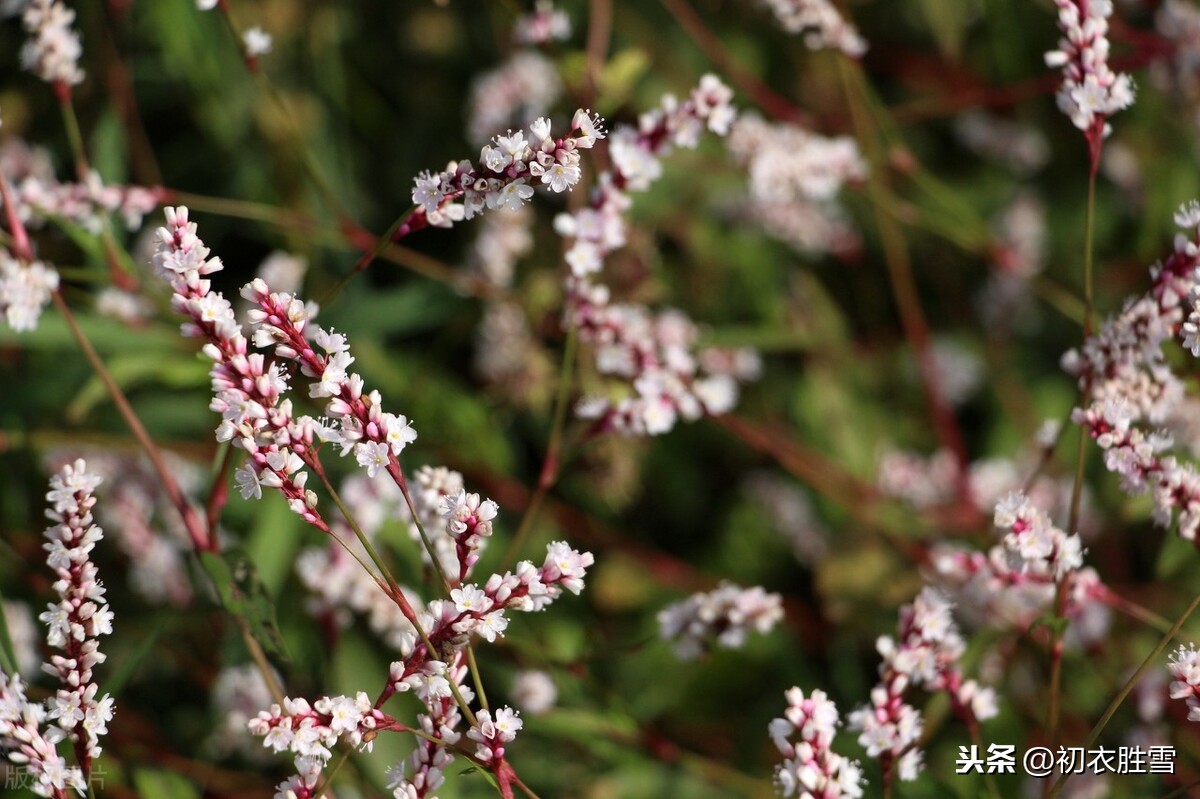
(384, 572)
(398, 476)
(1142, 614)
(201, 537)
(476, 677)
(1062, 589)
(550, 462)
(900, 274)
(1129, 685)
(521, 784)
(74, 135)
(260, 659)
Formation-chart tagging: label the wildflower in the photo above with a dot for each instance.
(823, 27)
(52, 53)
(257, 41)
(804, 736)
(724, 616)
(925, 654)
(24, 290)
(1090, 91)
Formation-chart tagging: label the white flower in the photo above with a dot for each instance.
(258, 42)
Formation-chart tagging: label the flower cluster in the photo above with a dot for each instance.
(1090, 92)
(468, 524)
(656, 354)
(74, 623)
(52, 53)
(80, 616)
(508, 169)
(311, 731)
(811, 769)
(925, 654)
(87, 204)
(24, 290)
(542, 25)
(723, 616)
(357, 421)
(490, 735)
(1033, 544)
(141, 520)
(424, 771)
(1185, 668)
(795, 176)
(1015, 582)
(821, 23)
(1128, 382)
(248, 393)
(25, 745)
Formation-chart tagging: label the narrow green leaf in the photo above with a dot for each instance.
(161, 784)
(244, 595)
(7, 650)
(124, 673)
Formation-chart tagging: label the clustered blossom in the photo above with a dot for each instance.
(468, 523)
(542, 25)
(75, 622)
(723, 616)
(490, 735)
(311, 731)
(508, 170)
(424, 771)
(795, 176)
(1128, 384)
(356, 420)
(1185, 668)
(247, 392)
(1090, 92)
(24, 743)
(656, 354)
(821, 23)
(524, 86)
(804, 736)
(39, 197)
(52, 53)
(257, 42)
(426, 668)
(1032, 542)
(924, 655)
(80, 616)
(141, 520)
(25, 289)
(1015, 582)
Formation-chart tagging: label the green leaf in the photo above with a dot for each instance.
(117, 682)
(243, 594)
(7, 649)
(159, 784)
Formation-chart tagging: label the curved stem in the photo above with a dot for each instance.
(1129, 685)
(550, 462)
